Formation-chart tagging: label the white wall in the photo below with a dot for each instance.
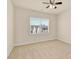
(59, 27)
(63, 26)
(10, 26)
(22, 27)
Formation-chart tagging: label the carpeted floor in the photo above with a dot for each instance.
(54, 49)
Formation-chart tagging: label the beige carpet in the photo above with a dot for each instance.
(46, 50)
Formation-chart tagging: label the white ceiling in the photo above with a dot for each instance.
(37, 5)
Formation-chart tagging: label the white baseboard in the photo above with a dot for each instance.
(65, 40)
(9, 52)
(36, 41)
(31, 42)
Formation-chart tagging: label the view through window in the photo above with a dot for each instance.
(38, 25)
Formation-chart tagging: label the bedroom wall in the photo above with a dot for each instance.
(22, 27)
(63, 26)
(10, 26)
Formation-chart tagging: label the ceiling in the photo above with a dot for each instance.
(37, 5)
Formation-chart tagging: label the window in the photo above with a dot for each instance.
(38, 25)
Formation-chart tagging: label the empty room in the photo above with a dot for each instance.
(38, 29)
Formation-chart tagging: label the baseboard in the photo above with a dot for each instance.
(34, 42)
(65, 41)
(38, 41)
(10, 52)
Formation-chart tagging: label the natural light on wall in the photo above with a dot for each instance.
(39, 25)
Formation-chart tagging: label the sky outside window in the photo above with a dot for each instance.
(38, 21)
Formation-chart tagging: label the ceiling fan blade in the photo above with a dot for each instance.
(53, 1)
(45, 2)
(50, 2)
(48, 6)
(57, 3)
